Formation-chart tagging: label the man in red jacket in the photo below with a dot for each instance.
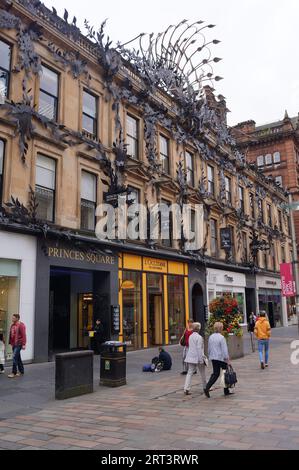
(17, 340)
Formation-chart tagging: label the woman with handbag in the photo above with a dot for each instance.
(195, 358)
(184, 341)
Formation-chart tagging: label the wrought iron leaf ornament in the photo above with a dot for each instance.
(177, 60)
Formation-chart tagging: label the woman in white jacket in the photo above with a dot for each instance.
(195, 358)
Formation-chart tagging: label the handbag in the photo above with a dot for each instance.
(183, 340)
(230, 377)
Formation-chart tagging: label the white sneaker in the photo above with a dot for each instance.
(2, 371)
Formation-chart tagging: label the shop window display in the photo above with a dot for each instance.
(132, 310)
(176, 308)
(9, 297)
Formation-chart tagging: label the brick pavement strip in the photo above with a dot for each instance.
(152, 413)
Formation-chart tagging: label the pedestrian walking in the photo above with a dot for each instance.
(195, 358)
(2, 353)
(218, 354)
(17, 340)
(262, 331)
(185, 342)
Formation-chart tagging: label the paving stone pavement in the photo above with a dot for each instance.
(152, 413)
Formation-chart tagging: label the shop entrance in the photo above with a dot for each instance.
(77, 300)
(198, 308)
(155, 310)
(155, 320)
(271, 314)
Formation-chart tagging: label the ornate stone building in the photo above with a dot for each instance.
(273, 149)
(83, 121)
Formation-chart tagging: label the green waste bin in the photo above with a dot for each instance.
(113, 364)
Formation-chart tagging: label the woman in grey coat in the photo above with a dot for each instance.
(195, 358)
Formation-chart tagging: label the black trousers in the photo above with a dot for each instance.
(217, 366)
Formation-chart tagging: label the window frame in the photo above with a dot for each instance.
(94, 119)
(261, 158)
(228, 193)
(8, 72)
(167, 243)
(211, 183)
(215, 238)
(165, 157)
(242, 198)
(276, 154)
(252, 205)
(2, 172)
(269, 215)
(49, 189)
(190, 172)
(56, 98)
(86, 200)
(135, 139)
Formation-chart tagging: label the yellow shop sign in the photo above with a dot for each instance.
(155, 265)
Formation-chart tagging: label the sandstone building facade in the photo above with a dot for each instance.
(81, 122)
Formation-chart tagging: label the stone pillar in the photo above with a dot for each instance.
(284, 311)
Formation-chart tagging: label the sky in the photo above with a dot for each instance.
(259, 45)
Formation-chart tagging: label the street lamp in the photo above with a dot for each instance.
(294, 206)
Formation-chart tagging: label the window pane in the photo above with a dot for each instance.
(165, 164)
(3, 84)
(9, 297)
(89, 104)
(133, 196)
(88, 210)
(49, 81)
(45, 200)
(89, 124)
(260, 160)
(132, 147)
(89, 187)
(268, 159)
(5, 54)
(45, 172)
(132, 127)
(47, 106)
(1, 156)
(189, 161)
(163, 145)
(276, 157)
(278, 180)
(176, 308)
(132, 311)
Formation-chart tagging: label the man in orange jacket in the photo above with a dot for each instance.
(262, 331)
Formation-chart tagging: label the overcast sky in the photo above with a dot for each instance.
(259, 44)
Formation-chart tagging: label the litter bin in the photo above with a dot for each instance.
(113, 364)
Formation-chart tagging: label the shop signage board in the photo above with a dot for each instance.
(287, 280)
(77, 255)
(155, 265)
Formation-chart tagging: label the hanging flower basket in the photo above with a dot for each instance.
(226, 310)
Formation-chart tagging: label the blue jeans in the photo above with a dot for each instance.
(17, 361)
(264, 346)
